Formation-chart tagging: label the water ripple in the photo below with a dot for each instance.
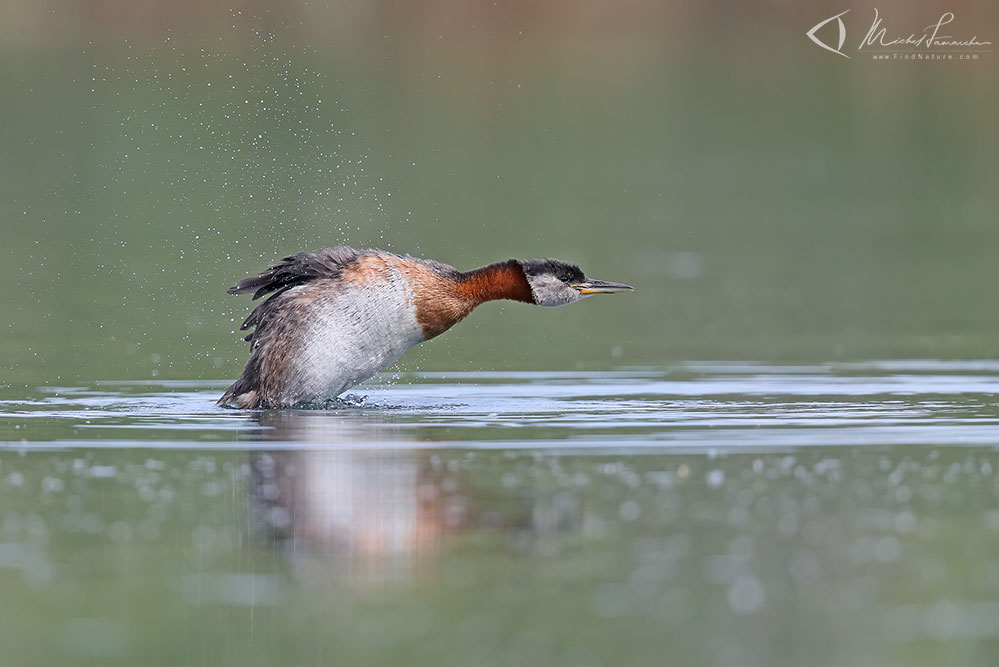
(697, 405)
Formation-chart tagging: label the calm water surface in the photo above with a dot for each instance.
(711, 513)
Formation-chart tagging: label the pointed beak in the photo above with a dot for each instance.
(601, 287)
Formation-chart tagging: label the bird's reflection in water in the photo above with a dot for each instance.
(374, 510)
(349, 506)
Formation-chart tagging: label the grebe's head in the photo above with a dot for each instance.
(556, 283)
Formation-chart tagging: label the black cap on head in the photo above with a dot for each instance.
(567, 273)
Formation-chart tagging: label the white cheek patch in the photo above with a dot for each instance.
(550, 291)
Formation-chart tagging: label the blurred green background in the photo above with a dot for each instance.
(768, 199)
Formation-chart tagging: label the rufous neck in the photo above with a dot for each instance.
(503, 280)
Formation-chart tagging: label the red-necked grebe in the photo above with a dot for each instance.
(336, 317)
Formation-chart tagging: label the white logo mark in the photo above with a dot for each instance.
(842, 34)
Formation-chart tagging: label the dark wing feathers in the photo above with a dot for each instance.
(298, 269)
(295, 270)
